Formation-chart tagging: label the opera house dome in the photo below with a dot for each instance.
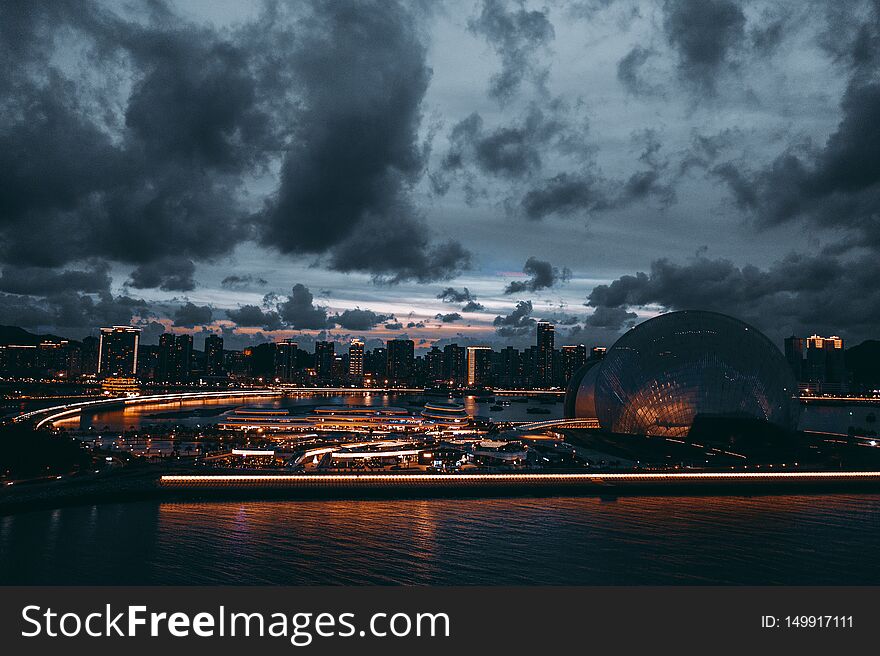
(662, 374)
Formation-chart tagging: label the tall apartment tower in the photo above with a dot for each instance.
(544, 365)
(214, 365)
(356, 361)
(118, 351)
(479, 366)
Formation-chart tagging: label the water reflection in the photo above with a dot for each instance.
(712, 540)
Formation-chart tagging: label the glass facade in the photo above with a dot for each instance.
(661, 374)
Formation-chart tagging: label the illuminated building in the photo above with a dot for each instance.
(446, 414)
(356, 361)
(120, 386)
(400, 361)
(182, 357)
(544, 365)
(817, 363)
(455, 364)
(118, 351)
(324, 354)
(285, 360)
(479, 366)
(333, 418)
(434, 366)
(214, 356)
(573, 358)
(665, 373)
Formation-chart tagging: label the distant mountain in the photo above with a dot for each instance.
(16, 335)
(863, 363)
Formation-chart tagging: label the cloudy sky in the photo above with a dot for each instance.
(448, 171)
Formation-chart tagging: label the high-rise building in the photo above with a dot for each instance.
(324, 354)
(455, 364)
(286, 360)
(434, 366)
(376, 364)
(544, 364)
(356, 362)
(183, 348)
(165, 358)
(573, 358)
(214, 356)
(118, 351)
(89, 357)
(509, 371)
(401, 353)
(794, 355)
(818, 363)
(479, 366)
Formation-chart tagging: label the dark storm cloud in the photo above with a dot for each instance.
(69, 311)
(563, 194)
(452, 295)
(46, 281)
(147, 158)
(300, 312)
(361, 72)
(240, 282)
(519, 322)
(851, 33)
(521, 154)
(358, 319)
(835, 186)
(168, 274)
(797, 294)
(542, 275)
(647, 182)
(395, 252)
(517, 35)
(629, 71)
(611, 318)
(448, 318)
(394, 326)
(253, 316)
(154, 179)
(190, 315)
(517, 149)
(704, 33)
(473, 306)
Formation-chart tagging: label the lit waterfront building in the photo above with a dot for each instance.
(446, 415)
(544, 365)
(817, 363)
(331, 418)
(479, 366)
(120, 386)
(118, 351)
(356, 361)
(684, 369)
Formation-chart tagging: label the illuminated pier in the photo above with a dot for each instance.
(598, 483)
